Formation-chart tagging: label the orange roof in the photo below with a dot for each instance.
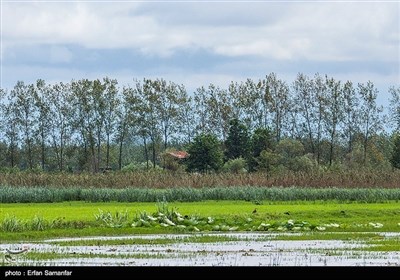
(179, 154)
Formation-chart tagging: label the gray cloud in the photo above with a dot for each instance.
(198, 43)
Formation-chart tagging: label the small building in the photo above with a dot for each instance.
(178, 154)
(172, 160)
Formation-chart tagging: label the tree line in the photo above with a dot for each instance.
(87, 125)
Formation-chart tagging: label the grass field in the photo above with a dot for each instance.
(78, 218)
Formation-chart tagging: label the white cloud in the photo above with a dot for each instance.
(254, 39)
(316, 31)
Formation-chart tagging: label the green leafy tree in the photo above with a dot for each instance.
(238, 140)
(237, 166)
(261, 140)
(289, 149)
(204, 154)
(268, 160)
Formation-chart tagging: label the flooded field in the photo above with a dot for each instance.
(233, 249)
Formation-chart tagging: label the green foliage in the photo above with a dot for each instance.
(395, 159)
(10, 170)
(261, 140)
(141, 166)
(38, 223)
(116, 220)
(204, 154)
(238, 140)
(289, 148)
(268, 160)
(11, 224)
(237, 166)
(302, 163)
(172, 218)
(88, 125)
(129, 168)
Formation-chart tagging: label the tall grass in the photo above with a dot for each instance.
(162, 179)
(247, 193)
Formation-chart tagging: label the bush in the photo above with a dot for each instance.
(268, 160)
(237, 165)
(141, 166)
(301, 163)
(289, 148)
(10, 170)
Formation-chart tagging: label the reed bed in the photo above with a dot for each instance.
(163, 179)
(9, 194)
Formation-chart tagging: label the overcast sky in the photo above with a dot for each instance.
(200, 42)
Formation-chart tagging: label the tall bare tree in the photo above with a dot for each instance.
(351, 113)
(61, 117)
(370, 118)
(111, 103)
(394, 107)
(333, 113)
(278, 102)
(26, 119)
(41, 93)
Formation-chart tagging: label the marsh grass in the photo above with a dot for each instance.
(154, 241)
(256, 195)
(344, 236)
(12, 224)
(384, 245)
(46, 256)
(37, 223)
(367, 178)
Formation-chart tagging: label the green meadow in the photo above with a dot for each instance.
(35, 221)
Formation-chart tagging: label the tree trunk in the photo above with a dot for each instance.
(12, 154)
(30, 161)
(98, 152)
(62, 152)
(154, 153)
(331, 149)
(108, 151)
(146, 154)
(43, 149)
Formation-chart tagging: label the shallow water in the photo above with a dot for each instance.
(251, 249)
